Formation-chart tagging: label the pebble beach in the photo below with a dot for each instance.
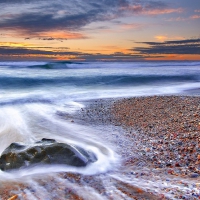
(164, 132)
(169, 127)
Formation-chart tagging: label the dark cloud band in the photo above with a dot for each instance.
(25, 52)
(191, 46)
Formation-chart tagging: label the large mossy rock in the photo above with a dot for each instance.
(46, 151)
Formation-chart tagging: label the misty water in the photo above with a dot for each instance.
(33, 93)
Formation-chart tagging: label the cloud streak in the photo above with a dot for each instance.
(195, 17)
(7, 51)
(150, 8)
(57, 35)
(190, 46)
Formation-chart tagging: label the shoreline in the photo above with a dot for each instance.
(149, 140)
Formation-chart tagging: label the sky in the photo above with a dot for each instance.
(100, 30)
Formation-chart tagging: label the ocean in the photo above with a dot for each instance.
(32, 93)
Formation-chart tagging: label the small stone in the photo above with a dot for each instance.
(168, 164)
(148, 149)
(170, 172)
(194, 175)
(150, 126)
(13, 197)
(180, 143)
(177, 165)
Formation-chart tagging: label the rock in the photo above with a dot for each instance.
(46, 151)
(13, 197)
(194, 175)
(180, 143)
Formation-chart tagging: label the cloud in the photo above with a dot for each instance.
(57, 35)
(7, 50)
(163, 11)
(151, 8)
(161, 37)
(34, 23)
(24, 53)
(195, 17)
(15, 1)
(178, 19)
(31, 17)
(135, 26)
(63, 15)
(190, 46)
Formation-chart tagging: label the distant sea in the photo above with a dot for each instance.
(31, 93)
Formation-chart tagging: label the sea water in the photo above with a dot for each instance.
(32, 93)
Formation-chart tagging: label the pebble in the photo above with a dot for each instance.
(13, 197)
(194, 175)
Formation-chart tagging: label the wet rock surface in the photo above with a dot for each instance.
(46, 151)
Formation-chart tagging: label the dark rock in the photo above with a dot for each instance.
(180, 143)
(45, 140)
(46, 151)
(168, 164)
(194, 175)
(150, 126)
